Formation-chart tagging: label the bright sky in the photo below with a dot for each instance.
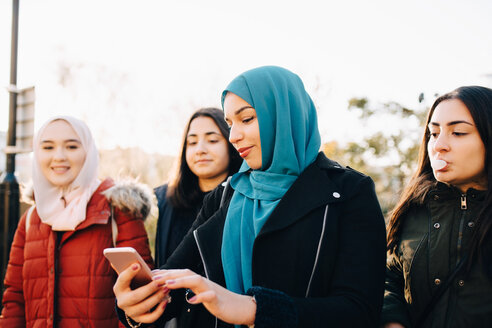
(139, 68)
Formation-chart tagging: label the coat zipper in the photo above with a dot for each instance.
(460, 231)
(195, 234)
(317, 252)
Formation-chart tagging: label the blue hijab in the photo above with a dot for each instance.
(290, 142)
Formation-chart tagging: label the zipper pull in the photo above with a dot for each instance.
(463, 202)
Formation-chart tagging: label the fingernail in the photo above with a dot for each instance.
(165, 290)
(192, 300)
(135, 267)
(156, 277)
(170, 282)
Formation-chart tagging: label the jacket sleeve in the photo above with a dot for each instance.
(355, 292)
(13, 313)
(132, 233)
(394, 305)
(185, 256)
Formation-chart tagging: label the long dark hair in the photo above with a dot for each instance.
(478, 100)
(184, 191)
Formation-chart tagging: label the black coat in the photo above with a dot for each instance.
(433, 238)
(319, 260)
(172, 224)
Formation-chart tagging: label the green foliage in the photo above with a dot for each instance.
(388, 157)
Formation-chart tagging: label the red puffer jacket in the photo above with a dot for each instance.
(57, 279)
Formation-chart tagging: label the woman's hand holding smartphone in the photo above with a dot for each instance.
(122, 257)
(142, 304)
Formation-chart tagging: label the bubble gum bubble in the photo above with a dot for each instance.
(438, 164)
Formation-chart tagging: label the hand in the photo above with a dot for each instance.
(138, 303)
(222, 303)
(393, 325)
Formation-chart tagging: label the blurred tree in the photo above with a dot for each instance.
(133, 163)
(389, 156)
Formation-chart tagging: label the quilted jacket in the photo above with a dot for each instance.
(61, 279)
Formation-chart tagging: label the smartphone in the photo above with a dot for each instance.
(122, 257)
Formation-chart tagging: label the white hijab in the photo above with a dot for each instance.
(64, 209)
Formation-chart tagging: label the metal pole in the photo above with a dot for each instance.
(9, 188)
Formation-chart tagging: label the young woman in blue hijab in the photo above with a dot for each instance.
(296, 241)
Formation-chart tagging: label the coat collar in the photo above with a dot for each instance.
(314, 187)
(98, 209)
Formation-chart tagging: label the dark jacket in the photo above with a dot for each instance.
(434, 237)
(318, 260)
(172, 224)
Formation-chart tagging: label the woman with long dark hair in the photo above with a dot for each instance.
(439, 245)
(206, 159)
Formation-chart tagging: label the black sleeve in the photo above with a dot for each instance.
(186, 256)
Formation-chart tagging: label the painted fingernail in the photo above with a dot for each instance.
(192, 300)
(135, 267)
(156, 277)
(165, 290)
(170, 282)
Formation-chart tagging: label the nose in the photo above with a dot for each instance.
(201, 147)
(441, 143)
(59, 154)
(235, 134)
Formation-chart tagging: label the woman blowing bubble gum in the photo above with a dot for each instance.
(57, 275)
(299, 240)
(439, 270)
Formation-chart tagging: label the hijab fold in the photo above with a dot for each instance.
(290, 142)
(65, 208)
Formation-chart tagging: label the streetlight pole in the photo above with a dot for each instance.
(9, 188)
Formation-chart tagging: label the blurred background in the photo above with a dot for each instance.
(136, 70)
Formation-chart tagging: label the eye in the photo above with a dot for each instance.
(47, 147)
(433, 134)
(213, 140)
(73, 147)
(459, 134)
(247, 119)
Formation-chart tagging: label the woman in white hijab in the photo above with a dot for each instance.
(57, 275)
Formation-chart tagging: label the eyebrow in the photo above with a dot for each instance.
(241, 109)
(450, 123)
(68, 140)
(206, 133)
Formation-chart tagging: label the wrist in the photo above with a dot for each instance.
(250, 311)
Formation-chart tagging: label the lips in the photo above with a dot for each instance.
(60, 169)
(244, 151)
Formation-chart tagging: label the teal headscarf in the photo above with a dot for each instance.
(290, 142)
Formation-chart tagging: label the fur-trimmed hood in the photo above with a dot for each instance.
(127, 195)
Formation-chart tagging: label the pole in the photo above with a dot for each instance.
(9, 188)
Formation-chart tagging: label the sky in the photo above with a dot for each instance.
(136, 70)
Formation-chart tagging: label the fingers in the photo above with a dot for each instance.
(127, 298)
(175, 279)
(125, 278)
(205, 297)
(143, 308)
(153, 316)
